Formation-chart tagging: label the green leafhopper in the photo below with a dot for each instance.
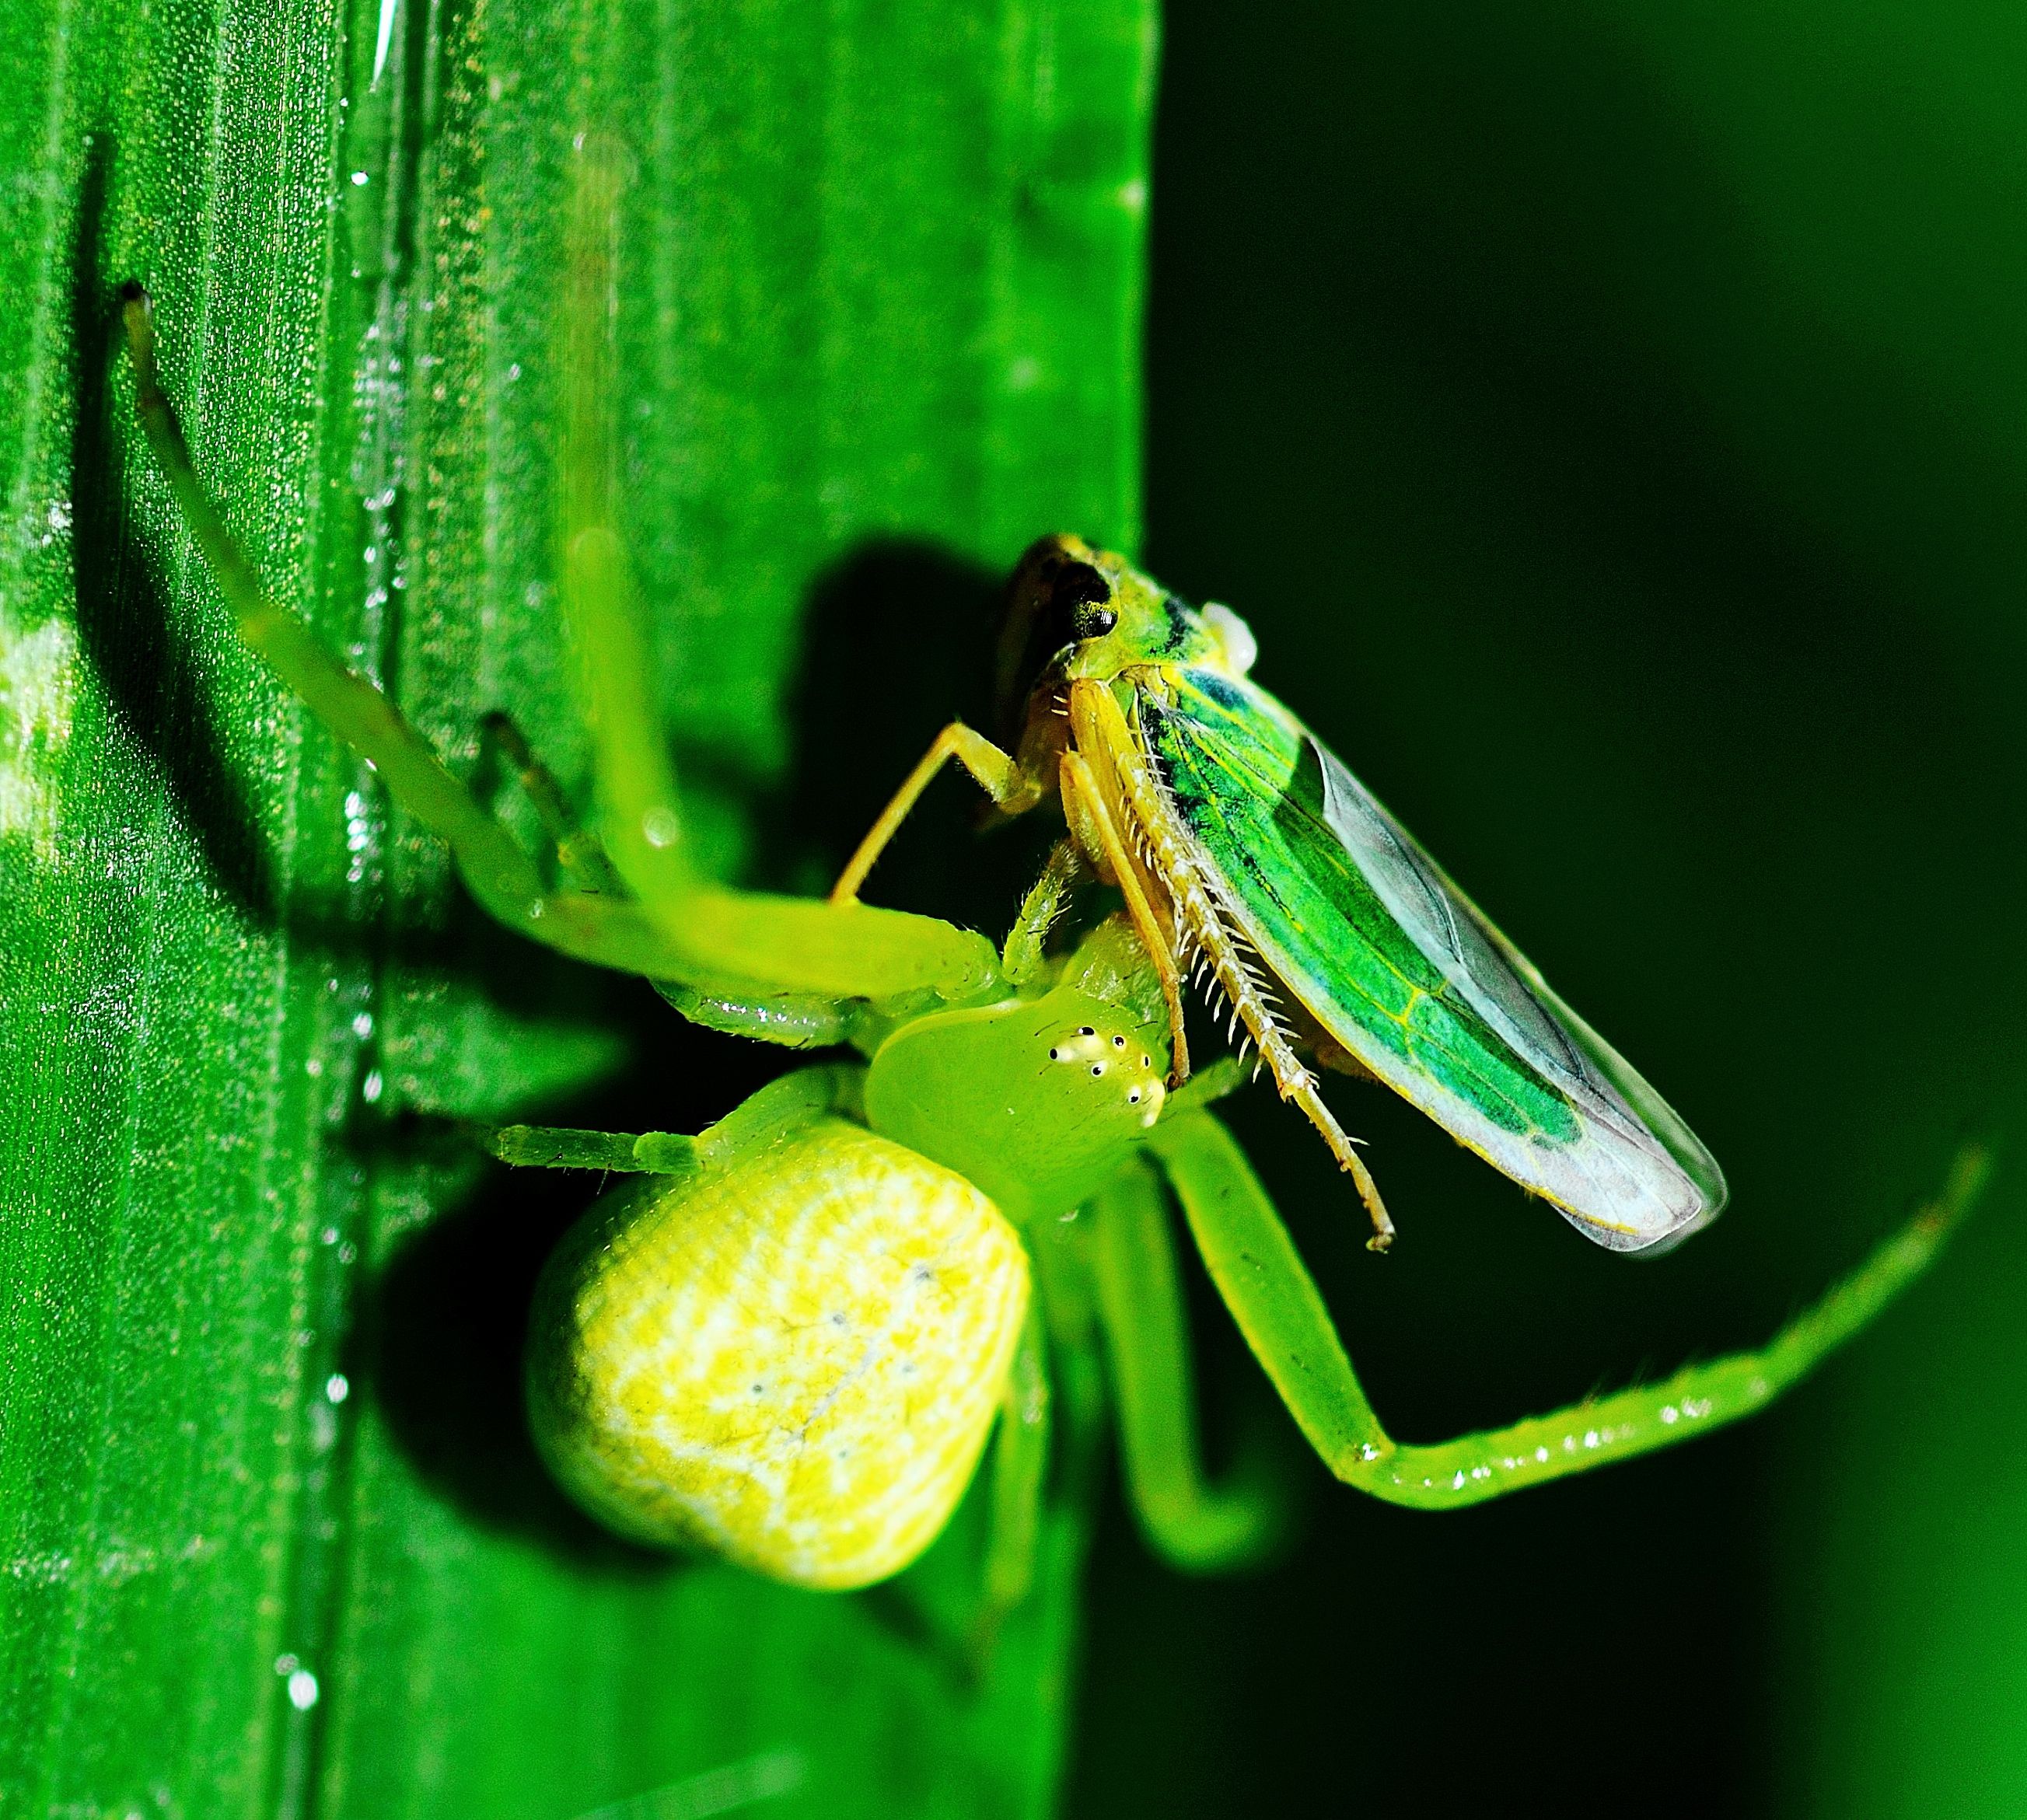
(1251, 859)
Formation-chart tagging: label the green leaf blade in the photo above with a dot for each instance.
(223, 966)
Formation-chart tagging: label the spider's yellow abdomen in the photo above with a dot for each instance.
(793, 1361)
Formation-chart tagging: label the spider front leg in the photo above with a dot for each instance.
(1271, 1297)
(721, 937)
(1195, 1526)
(578, 851)
(668, 923)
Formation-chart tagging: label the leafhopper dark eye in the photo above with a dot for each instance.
(1080, 601)
(1056, 601)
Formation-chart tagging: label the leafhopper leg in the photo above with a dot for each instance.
(991, 770)
(1101, 728)
(1217, 1080)
(1304, 1095)
(1092, 823)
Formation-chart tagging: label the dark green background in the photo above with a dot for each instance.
(1610, 419)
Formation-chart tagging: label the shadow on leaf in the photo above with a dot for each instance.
(898, 640)
(158, 693)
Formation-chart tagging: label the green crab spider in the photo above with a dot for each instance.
(789, 1338)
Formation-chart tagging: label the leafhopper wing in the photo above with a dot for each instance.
(1397, 967)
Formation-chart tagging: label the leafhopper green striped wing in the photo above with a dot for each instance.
(1252, 860)
(1398, 969)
